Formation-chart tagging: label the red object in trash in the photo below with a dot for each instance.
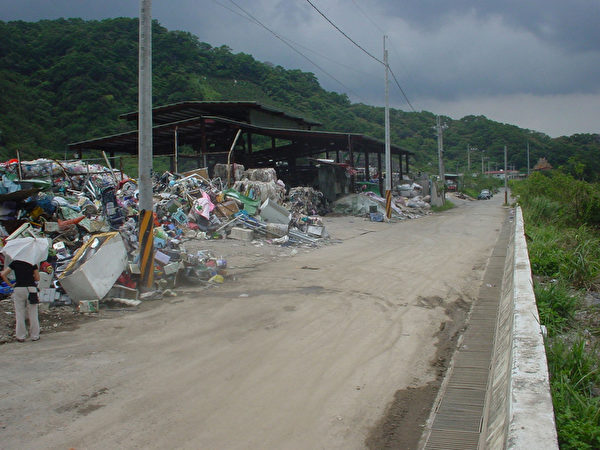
(66, 223)
(46, 267)
(126, 280)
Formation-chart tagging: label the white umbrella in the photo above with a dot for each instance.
(28, 249)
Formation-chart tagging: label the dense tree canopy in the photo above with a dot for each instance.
(67, 80)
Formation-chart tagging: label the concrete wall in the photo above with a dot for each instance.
(519, 413)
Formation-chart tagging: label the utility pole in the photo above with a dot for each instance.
(469, 150)
(505, 178)
(468, 159)
(440, 141)
(145, 224)
(388, 156)
(482, 170)
(527, 158)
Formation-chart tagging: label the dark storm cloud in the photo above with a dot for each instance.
(501, 56)
(572, 24)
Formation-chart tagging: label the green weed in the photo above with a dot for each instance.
(575, 379)
(545, 250)
(556, 306)
(562, 217)
(445, 207)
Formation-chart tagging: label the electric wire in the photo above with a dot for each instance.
(367, 16)
(365, 51)
(294, 42)
(258, 22)
(288, 42)
(401, 90)
(345, 35)
(327, 57)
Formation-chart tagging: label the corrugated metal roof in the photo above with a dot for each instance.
(191, 130)
(237, 110)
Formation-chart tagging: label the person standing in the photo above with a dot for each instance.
(26, 275)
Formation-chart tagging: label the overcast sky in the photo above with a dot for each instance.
(533, 63)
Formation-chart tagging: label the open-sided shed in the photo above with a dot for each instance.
(269, 137)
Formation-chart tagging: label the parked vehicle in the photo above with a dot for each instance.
(485, 194)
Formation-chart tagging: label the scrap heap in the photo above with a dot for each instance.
(90, 213)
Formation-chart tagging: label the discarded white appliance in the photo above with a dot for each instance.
(274, 213)
(95, 267)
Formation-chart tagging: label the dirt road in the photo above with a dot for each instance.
(305, 352)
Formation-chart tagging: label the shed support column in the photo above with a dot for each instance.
(176, 150)
(351, 154)
(292, 170)
(379, 175)
(337, 156)
(367, 174)
(203, 146)
(249, 160)
(407, 169)
(400, 169)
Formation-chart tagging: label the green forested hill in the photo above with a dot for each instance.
(63, 81)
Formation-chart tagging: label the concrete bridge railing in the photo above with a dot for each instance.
(519, 412)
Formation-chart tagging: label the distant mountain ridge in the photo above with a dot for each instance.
(68, 80)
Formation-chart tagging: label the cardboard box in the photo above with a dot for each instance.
(203, 172)
(227, 208)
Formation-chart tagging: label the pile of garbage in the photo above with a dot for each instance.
(407, 203)
(89, 214)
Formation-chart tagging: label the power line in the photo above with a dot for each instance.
(367, 16)
(287, 42)
(345, 35)
(368, 53)
(258, 22)
(327, 57)
(294, 42)
(401, 90)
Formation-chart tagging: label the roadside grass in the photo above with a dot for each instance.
(556, 306)
(445, 207)
(562, 223)
(473, 193)
(575, 384)
(572, 254)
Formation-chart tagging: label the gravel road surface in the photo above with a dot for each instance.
(341, 347)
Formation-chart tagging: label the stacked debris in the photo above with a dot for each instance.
(371, 205)
(90, 215)
(306, 201)
(261, 184)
